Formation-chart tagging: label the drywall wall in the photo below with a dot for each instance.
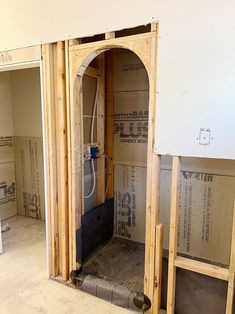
(8, 206)
(6, 121)
(28, 145)
(26, 98)
(196, 64)
(30, 23)
(196, 78)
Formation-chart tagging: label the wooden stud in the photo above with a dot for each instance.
(109, 120)
(61, 138)
(173, 234)
(230, 294)
(76, 157)
(158, 269)
(202, 268)
(154, 26)
(100, 132)
(91, 71)
(70, 217)
(153, 179)
(109, 35)
(76, 41)
(231, 279)
(49, 109)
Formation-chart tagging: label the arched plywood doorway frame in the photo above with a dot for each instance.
(80, 56)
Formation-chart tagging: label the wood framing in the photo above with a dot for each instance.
(153, 180)
(158, 269)
(231, 274)
(101, 133)
(109, 120)
(20, 56)
(61, 138)
(80, 56)
(49, 109)
(173, 235)
(175, 261)
(55, 101)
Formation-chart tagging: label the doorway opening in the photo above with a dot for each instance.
(111, 240)
(22, 193)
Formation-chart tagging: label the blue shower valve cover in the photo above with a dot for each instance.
(94, 152)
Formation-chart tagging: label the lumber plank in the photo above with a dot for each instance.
(100, 133)
(61, 138)
(71, 248)
(75, 41)
(173, 234)
(109, 35)
(154, 26)
(113, 41)
(153, 177)
(49, 109)
(202, 268)
(76, 155)
(109, 119)
(231, 279)
(158, 269)
(91, 71)
(21, 55)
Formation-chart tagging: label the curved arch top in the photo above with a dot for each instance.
(82, 55)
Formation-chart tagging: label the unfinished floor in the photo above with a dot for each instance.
(119, 261)
(23, 278)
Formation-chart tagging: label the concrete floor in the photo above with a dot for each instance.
(24, 287)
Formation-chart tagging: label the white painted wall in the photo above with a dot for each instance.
(26, 98)
(196, 77)
(196, 65)
(29, 22)
(6, 121)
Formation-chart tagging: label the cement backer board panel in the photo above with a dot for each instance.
(8, 204)
(129, 72)
(205, 214)
(6, 149)
(129, 202)
(131, 127)
(206, 207)
(29, 176)
(131, 99)
(224, 167)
